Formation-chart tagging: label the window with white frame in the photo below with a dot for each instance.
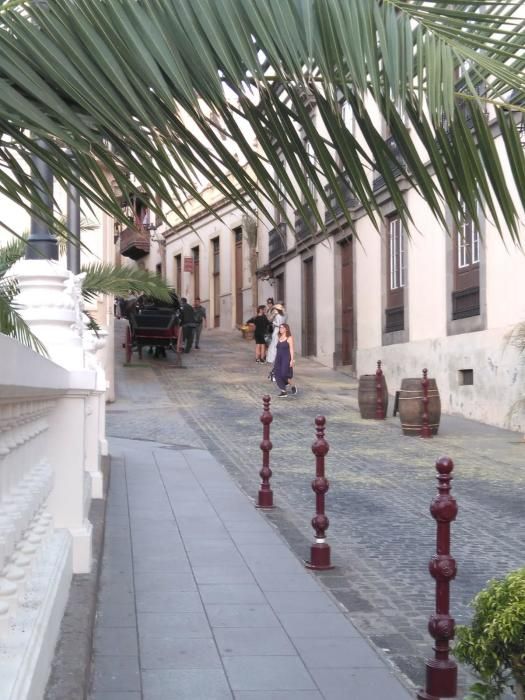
(468, 243)
(397, 254)
(467, 251)
(396, 274)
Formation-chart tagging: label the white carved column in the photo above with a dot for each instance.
(96, 444)
(50, 301)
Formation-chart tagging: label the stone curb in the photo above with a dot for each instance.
(71, 668)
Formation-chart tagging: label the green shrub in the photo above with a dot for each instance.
(494, 643)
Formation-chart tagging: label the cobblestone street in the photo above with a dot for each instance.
(381, 483)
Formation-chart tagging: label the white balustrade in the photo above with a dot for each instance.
(51, 440)
(45, 533)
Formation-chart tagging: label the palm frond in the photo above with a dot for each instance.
(11, 323)
(102, 278)
(128, 86)
(11, 252)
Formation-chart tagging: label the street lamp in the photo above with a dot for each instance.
(73, 227)
(41, 244)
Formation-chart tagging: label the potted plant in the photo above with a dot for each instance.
(494, 643)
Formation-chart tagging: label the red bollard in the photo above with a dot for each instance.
(441, 671)
(265, 498)
(380, 412)
(320, 551)
(426, 432)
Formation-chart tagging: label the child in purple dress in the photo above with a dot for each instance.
(284, 361)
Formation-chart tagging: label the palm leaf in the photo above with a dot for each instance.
(11, 323)
(101, 278)
(10, 253)
(132, 103)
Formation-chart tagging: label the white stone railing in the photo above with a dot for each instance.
(50, 441)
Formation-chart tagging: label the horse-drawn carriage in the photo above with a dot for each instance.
(152, 325)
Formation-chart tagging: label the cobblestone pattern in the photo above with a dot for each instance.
(381, 484)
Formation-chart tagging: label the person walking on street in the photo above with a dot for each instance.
(261, 326)
(188, 323)
(279, 316)
(284, 361)
(200, 318)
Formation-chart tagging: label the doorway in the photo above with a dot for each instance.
(309, 339)
(347, 302)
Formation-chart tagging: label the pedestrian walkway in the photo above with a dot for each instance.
(201, 599)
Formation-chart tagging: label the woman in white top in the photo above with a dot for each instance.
(278, 318)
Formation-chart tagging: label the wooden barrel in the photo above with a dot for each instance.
(411, 406)
(367, 395)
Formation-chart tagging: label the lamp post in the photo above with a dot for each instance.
(41, 243)
(73, 227)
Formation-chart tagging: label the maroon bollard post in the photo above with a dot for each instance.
(265, 497)
(380, 412)
(426, 431)
(320, 550)
(441, 671)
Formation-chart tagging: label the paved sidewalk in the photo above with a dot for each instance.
(201, 598)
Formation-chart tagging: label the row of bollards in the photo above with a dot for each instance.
(441, 671)
(320, 550)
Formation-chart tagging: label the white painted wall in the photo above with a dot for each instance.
(368, 286)
(203, 229)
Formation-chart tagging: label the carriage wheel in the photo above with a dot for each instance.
(128, 345)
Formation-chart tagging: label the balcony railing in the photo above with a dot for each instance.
(277, 241)
(465, 303)
(335, 210)
(396, 169)
(395, 319)
(304, 226)
(134, 242)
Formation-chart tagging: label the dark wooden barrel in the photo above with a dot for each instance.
(367, 396)
(411, 406)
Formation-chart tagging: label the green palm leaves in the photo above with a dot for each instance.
(99, 278)
(132, 87)
(11, 323)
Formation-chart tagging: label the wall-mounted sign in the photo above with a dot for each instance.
(188, 264)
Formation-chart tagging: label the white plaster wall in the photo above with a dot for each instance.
(204, 230)
(368, 285)
(505, 280)
(498, 373)
(426, 306)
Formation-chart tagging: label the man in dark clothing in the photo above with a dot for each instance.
(200, 318)
(187, 317)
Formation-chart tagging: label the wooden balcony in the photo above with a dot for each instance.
(134, 242)
(336, 210)
(277, 241)
(396, 169)
(304, 226)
